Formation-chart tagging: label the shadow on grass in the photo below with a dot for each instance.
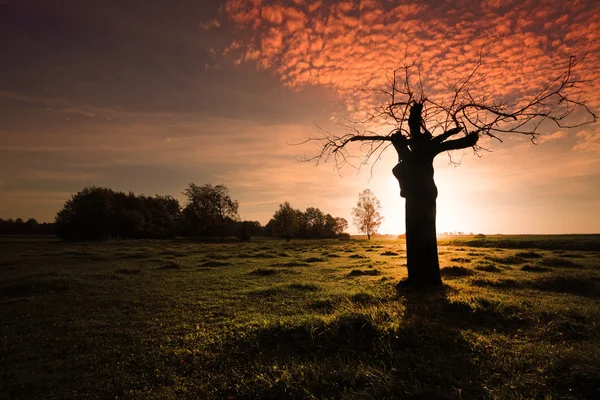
(38, 286)
(357, 353)
(576, 285)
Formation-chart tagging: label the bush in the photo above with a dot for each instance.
(344, 236)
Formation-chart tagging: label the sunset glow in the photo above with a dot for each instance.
(149, 98)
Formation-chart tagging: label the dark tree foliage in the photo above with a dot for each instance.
(97, 213)
(289, 222)
(209, 210)
(29, 227)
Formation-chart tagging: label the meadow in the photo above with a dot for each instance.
(518, 317)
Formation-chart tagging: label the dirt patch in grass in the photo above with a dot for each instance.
(475, 254)
(573, 255)
(305, 287)
(463, 260)
(528, 254)
(365, 298)
(364, 272)
(326, 306)
(133, 255)
(264, 271)
(535, 268)
(128, 271)
(170, 265)
(488, 268)
(257, 255)
(293, 263)
(333, 255)
(558, 262)
(357, 256)
(510, 260)
(456, 272)
(389, 253)
(313, 259)
(215, 263)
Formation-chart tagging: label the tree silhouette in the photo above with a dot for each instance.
(206, 203)
(286, 221)
(224, 206)
(366, 215)
(414, 118)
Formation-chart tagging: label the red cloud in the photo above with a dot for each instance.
(354, 43)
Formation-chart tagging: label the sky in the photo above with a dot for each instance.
(147, 96)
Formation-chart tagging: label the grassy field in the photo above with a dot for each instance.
(518, 317)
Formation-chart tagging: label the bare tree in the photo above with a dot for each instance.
(366, 213)
(412, 119)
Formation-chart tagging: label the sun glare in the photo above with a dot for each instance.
(454, 208)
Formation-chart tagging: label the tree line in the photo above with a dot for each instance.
(289, 222)
(100, 213)
(19, 226)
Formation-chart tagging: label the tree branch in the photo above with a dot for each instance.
(447, 134)
(469, 140)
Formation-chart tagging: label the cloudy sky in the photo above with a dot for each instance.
(147, 96)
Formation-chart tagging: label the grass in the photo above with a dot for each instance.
(175, 319)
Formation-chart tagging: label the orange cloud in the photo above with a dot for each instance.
(345, 45)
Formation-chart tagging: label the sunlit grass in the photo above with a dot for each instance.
(306, 319)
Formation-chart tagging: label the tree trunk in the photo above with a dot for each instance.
(368, 236)
(222, 230)
(418, 187)
(421, 242)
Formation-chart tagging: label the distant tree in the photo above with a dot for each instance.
(31, 222)
(208, 203)
(245, 228)
(128, 216)
(255, 228)
(161, 216)
(30, 227)
(366, 215)
(224, 206)
(200, 205)
(97, 213)
(87, 215)
(286, 221)
(341, 224)
(314, 223)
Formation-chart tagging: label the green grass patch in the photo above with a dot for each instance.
(199, 319)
